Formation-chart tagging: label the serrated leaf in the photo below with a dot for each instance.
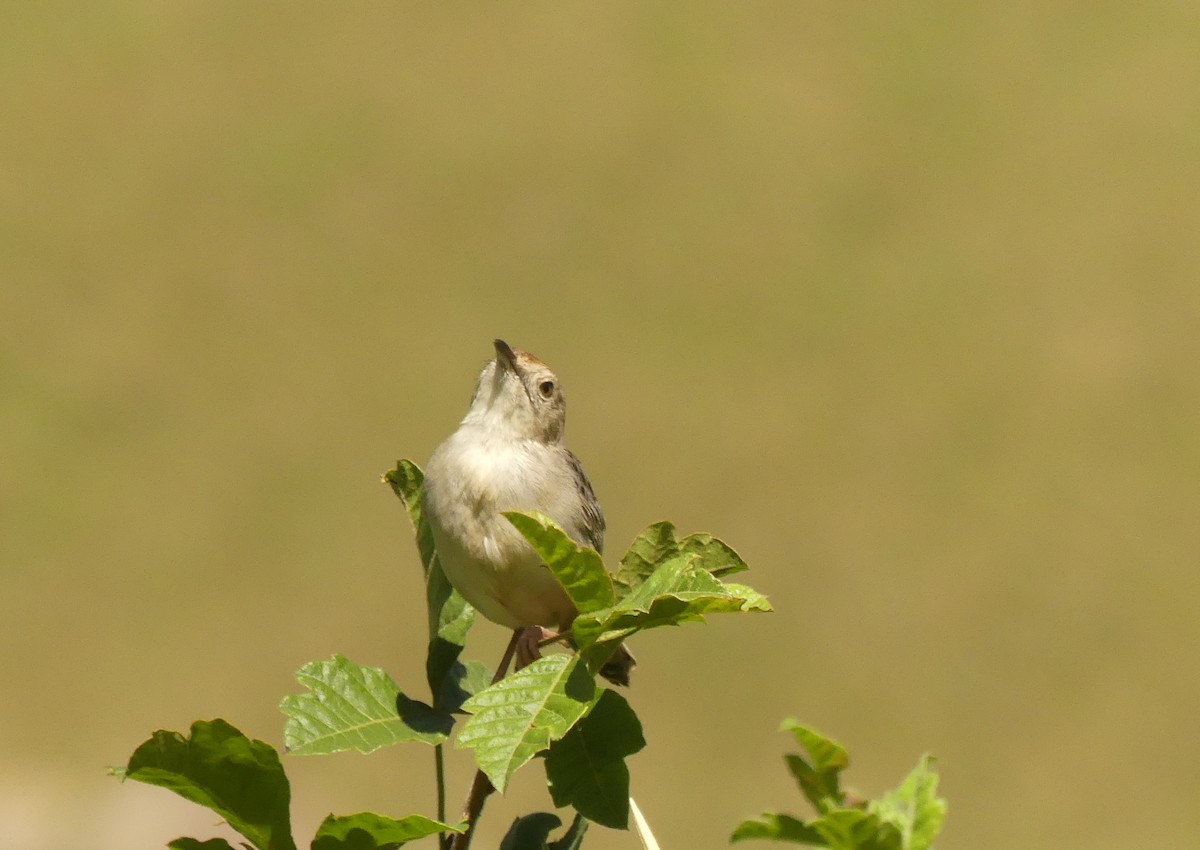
(818, 788)
(450, 617)
(462, 681)
(349, 707)
(407, 481)
(914, 807)
(369, 831)
(775, 827)
(195, 844)
(518, 717)
(658, 544)
(578, 568)
(676, 592)
(855, 829)
(218, 767)
(819, 780)
(826, 753)
(586, 767)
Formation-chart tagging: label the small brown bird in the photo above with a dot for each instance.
(508, 454)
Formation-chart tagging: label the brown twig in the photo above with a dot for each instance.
(481, 786)
(506, 659)
(554, 637)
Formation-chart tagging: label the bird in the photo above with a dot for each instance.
(507, 454)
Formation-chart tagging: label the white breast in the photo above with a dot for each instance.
(468, 483)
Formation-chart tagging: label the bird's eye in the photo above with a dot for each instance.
(546, 388)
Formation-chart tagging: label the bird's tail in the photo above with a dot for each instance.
(617, 668)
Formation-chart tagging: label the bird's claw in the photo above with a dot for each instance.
(530, 643)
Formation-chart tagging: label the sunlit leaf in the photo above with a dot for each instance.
(450, 617)
(818, 777)
(914, 806)
(907, 818)
(369, 831)
(578, 568)
(349, 707)
(462, 680)
(218, 767)
(774, 827)
(855, 829)
(407, 481)
(676, 592)
(518, 717)
(658, 544)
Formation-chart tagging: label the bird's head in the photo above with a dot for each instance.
(518, 397)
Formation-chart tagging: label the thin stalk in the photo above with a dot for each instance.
(481, 786)
(439, 766)
(643, 828)
(554, 637)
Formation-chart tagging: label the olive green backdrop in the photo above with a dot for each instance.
(901, 302)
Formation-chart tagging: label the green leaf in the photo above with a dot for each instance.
(657, 544)
(826, 753)
(219, 767)
(518, 717)
(349, 707)
(818, 781)
(586, 767)
(838, 829)
(775, 827)
(679, 591)
(854, 829)
(450, 617)
(194, 844)
(914, 807)
(407, 481)
(578, 568)
(907, 818)
(532, 832)
(369, 831)
(572, 839)
(462, 681)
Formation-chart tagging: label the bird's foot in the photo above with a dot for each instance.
(530, 643)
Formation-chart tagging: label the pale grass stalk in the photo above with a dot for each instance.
(643, 828)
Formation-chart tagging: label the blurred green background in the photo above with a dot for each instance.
(901, 301)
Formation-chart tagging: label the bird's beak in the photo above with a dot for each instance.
(505, 358)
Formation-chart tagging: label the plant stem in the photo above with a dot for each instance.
(439, 766)
(481, 786)
(506, 659)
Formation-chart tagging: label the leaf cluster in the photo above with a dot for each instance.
(553, 710)
(908, 817)
(243, 781)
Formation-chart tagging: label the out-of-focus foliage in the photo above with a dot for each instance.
(908, 817)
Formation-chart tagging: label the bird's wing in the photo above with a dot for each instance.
(593, 515)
